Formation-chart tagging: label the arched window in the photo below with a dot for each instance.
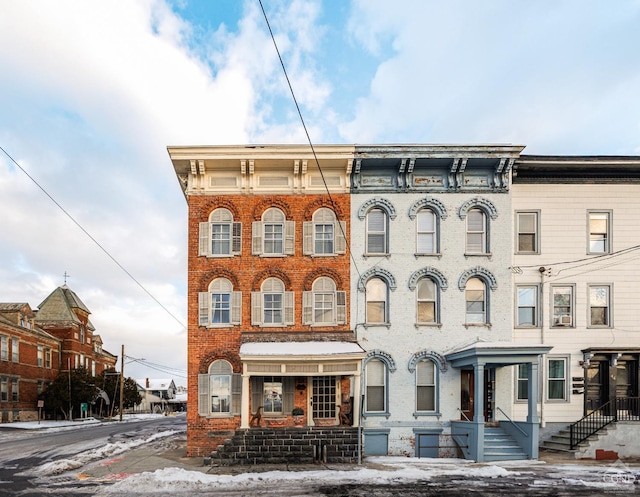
(272, 306)
(323, 304)
(377, 296)
(274, 235)
(377, 235)
(220, 236)
(477, 232)
(376, 386)
(219, 391)
(220, 306)
(426, 232)
(476, 301)
(426, 386)
(324, 235)
(427, 301)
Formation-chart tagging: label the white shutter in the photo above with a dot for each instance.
(204, 245)
(307, 238)
(289, 307)
(203, 394)
(236, 308)
(236, 240)
(257, 386)
(341, 307)
(289, 237)
(307, 307)
(256, 308)
(256, 234)
(288, 394)
(236, 393)
(204, 305)
(340, 231)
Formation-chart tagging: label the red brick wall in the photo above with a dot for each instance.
(247, 272)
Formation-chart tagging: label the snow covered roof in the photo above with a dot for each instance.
(299, 348)
(155, 384)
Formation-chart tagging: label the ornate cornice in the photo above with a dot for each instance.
(381, 202)
(429, 203)
(438, 359)
(481, 203)
(376, 272)
(479, 272)
(429, 272)
(382, 356)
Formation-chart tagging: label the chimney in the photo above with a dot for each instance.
(147, 383)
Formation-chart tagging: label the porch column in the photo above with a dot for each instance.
(478, 412)
(244, 404)
(532, 392)
(355, 408)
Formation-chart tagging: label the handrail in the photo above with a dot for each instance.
(617, 409)
(511, 421)
(463, 414)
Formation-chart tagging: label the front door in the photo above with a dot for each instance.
(323, 398)
(467, 394)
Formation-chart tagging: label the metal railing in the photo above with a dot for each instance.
(511, 421)
(463, 414)
(618, 409)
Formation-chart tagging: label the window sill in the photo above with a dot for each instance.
(377, 325)
(562, 326)
(428, 325)
(419, 414)
(527, 327)
(325, 325)
(488, 255)
(268, 256)
(376, 415)
(217, 256)
(434, 254)
(387, 255)
(220, 325)
(477, 325)
(527, 253)
(599, 327)
(322, 255)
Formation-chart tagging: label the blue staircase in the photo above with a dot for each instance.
(500, 446)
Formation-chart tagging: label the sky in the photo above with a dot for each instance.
(92, 93)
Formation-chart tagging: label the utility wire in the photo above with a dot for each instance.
(158, 367)
(92, 238)
(306, 132)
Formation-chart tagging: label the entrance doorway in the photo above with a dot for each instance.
(467, 394)
(323, 399)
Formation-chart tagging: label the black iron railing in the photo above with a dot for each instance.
(619, 409)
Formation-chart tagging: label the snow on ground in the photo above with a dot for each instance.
(67, 425)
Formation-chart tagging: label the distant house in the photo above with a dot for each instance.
(29, 360)
(37, 345)
(156, 394)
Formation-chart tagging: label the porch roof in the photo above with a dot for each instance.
(301, 350)
(496, 354)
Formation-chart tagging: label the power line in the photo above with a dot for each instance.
(159, 367)
(306, 132)
(92, 238)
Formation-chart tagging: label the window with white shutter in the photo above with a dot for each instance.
(274, 235)
(220, 236)
(272, 306)
(220, 306)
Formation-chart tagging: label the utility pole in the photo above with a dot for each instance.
(121, 381)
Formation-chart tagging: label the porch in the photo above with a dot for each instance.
(480, 359)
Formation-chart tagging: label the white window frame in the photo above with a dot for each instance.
(381, 381)
(534, 290)
(564, 379)
(426, 235)
(40, 356)
(4, 348)
(370, 296)
(15, 350)
(4, 389)
(562, 319)
(207, 302)
(220, 217)
(273, 217)
(382, 232)
(324, 217)
(597, 236)
(481, 230)
(435, 301)
(258, 308)
(423, 382)
(533, 232)
(220, 372)
(324, 290)
(591, 305)
(485, 302)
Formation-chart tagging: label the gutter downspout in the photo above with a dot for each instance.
(542, 271)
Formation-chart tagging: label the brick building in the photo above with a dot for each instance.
(35, 346)
(268, 288)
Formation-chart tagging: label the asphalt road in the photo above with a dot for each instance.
(23, 451)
